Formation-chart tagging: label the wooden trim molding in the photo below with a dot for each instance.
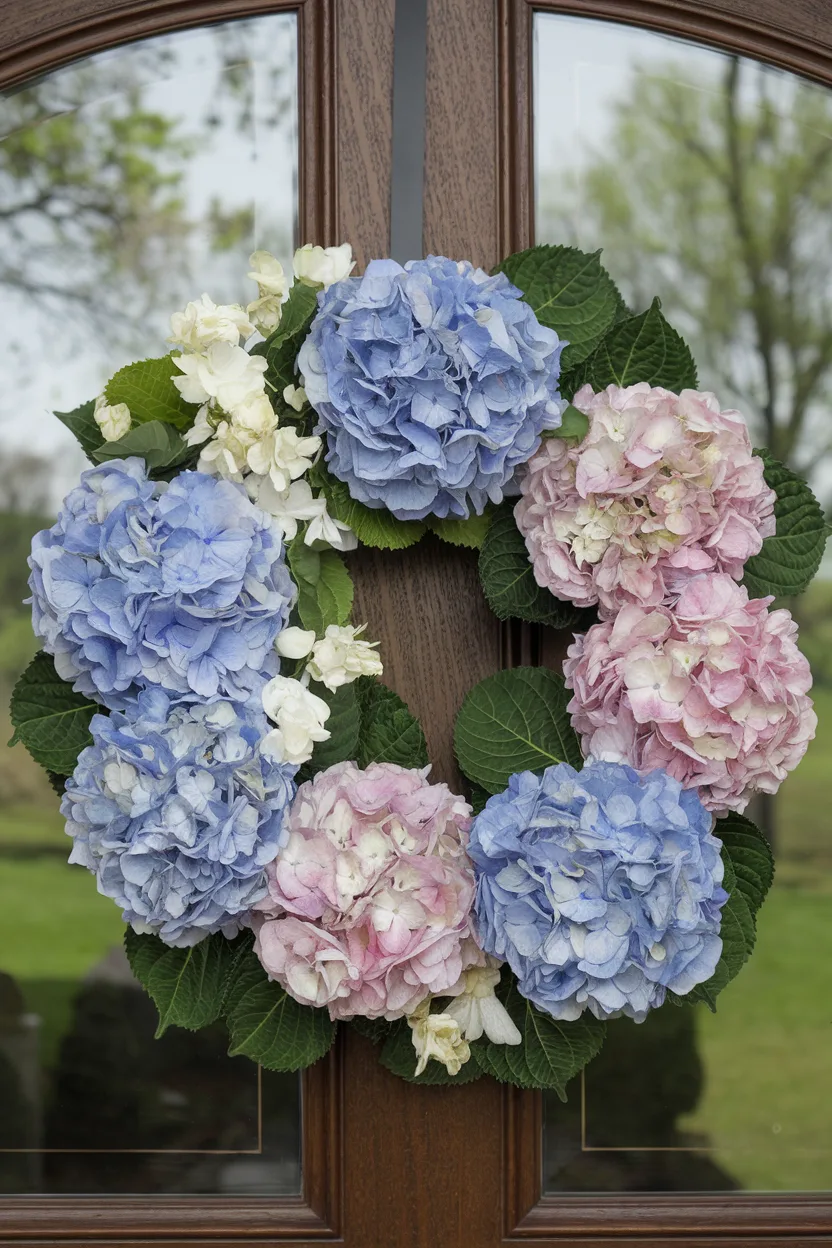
(798, 38)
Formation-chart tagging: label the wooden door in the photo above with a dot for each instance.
(385, 1164)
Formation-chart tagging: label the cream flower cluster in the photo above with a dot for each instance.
(239, 432)
(299, 715)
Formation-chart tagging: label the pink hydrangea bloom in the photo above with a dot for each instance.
(713, 690)
(369, 901)
(662, 488)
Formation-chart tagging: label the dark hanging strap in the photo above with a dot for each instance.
(408, 177)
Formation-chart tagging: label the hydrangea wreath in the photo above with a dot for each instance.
(260, 805)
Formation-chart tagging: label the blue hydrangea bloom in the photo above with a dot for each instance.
(176, 812)
(432, 383)
(601, 889)
(140, 583)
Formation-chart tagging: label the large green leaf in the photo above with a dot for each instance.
(389, 733)
(325, 589)
(373, 526)
(508, 580)
(570, 292)
(148, 390)
(269, 1026)
(789, 559)
(399, 1056)
(83, 424)
(573, 424)
(188, 986)
(343, 725)
(552, 1052)
(513, 721)
(158, 444)
(470, 532)
(640, 348)
(50, 719)
(749, 871)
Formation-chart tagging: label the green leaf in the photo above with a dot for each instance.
(372, 526)
(470, 532)
(508, 582)
(477, 796)
(749, 871)
(325, 588)
(375, 1029)
(269, 1026)
(574, 424)
(159, 445)
(789, 559)
(50, 719)
(552, 1052)
(82, 423)
(399, 1057)
(513, 721)
(188, 986)
(750, 856)
(570, 292)
(281, 348)
(344, 725)
(641, 348)
(148, 390)
(389, 733)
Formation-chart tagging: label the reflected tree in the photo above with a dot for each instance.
(718, 195)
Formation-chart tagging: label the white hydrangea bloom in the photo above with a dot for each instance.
(256, 415)
(295, 643)
(204, 322)
(295, 505)
(339, 657)
(268, 273)
(321, 266)
(266, 313)
(437, 1036)
(225, 455)
(295, 396)
(283, 456)
(477, 1009)
(225, 373)
(113, 419)
(202, 429)
(299, 717)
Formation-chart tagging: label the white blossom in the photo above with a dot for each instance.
(204, 322)
(256, 415)
(202, 429)
(295, 643)
(340, 657)
(224, 372)
(297, 504)
(295, 396)
(283, 456)
(321, 266)
(437, 1036)
(266, 313)
(225, 455)
(268, 273)
(476, 1009)
(113, 419)
(299, 717)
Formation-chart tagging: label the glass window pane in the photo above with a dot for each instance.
(707, 179)
(129, 183)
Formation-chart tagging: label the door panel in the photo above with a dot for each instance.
(385, 1164)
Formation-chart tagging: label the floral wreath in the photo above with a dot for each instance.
(259, 804)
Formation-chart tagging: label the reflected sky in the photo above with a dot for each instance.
(205, 123)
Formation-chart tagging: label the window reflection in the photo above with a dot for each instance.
(129, 183)
(707, 179)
